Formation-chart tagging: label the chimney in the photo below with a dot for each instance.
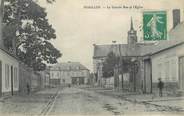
(176, 17)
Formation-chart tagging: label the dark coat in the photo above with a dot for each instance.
(160, 85)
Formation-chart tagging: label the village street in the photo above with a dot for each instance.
(76, 101)
(90, 102)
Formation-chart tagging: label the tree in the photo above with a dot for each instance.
(25, 21)
(130, 65)
(108, 66)
(50, 1)
(126, 65)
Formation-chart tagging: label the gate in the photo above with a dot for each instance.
(147, 83)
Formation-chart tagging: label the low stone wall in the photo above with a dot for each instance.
(7, 94)
(27, 77)
(170, 88)
(54, 82)
(24, 78)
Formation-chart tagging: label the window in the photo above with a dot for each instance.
(173, 70)
(68, 73)
(75, 73)
(84, 72)
(78, 67)
(53, 75)
(79, 73)
(167, 71)
(58, 74)
(159, 70)
(7, 76)
(61, 73)
(15, 78)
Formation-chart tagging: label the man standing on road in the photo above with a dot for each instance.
(28, 89)
(160, 86)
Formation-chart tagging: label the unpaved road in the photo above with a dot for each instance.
(74, 101)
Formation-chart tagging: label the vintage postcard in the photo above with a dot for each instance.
(91, 57)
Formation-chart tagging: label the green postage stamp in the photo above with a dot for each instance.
(155, 25)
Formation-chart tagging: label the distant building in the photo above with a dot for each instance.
(69, 73)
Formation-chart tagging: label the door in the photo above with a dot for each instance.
(181, 73)
(81, 80)
(74, 80)
(147, 82)
(0, 78)
(12, 80)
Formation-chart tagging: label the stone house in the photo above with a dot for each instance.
(69, 73)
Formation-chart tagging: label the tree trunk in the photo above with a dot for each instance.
(1, 23)
(122, 81)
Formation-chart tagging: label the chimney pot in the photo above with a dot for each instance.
(176, 17)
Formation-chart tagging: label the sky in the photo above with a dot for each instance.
(78, 28)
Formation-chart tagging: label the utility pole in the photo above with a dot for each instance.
(116, 68)
(120, 65)
(59, 75)
(98, 74)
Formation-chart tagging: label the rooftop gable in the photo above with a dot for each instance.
(69, 66)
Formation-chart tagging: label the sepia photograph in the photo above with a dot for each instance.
(91, 57)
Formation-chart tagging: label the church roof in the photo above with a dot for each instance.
(126, 49)
(64, 66)
(131, 25)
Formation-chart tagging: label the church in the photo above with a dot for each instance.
(132, 51)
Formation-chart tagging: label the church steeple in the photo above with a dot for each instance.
(131, 26)
(132, 34)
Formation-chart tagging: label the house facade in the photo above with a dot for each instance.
(69, 73)
(168, 62)
(9, 73)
